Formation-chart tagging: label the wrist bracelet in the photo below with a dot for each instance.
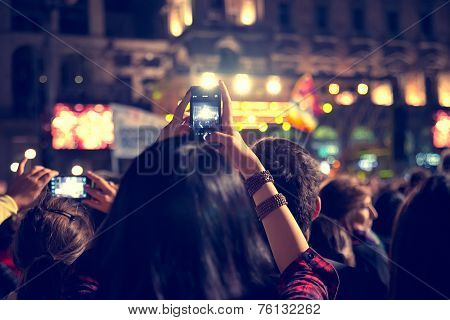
(269, 205)
(256, 181)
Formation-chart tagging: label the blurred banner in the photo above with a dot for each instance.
(134, 130)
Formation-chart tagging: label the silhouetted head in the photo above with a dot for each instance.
(444, 164)
(387, 206)
(182, 227)
(420, 245)
(296, 175)
(416, 177)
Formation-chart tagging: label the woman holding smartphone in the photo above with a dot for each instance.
(184, 227)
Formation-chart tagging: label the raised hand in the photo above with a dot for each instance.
(26, 187)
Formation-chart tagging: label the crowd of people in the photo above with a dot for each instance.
(223, 220)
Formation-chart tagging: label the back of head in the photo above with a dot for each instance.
(50, 236)
(416, 177)
(387, 204)
(331, 240)
(420, 243)
(341, 195)
(296, 175)
(182, 227)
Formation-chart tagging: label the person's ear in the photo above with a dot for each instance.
(317, 209)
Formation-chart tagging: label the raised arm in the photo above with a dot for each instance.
(285, 237)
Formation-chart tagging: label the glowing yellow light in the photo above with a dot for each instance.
(381, 93)
(208, 80)
(333, 88)
(327, 107)
(251, 119)
(242, 84)
(169, 117)
(175, 26)
(279, 119)
(363, 88)
(263, 127)
(248, 12)
(444, 89)
(414, 89)
(14, 166)
(273, 85)
(187, 9)
(78, 79)
(77, 170)
(30, 154)
(286, 126)
(345, 98)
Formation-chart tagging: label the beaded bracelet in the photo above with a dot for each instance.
(255, 182)
(269, 205)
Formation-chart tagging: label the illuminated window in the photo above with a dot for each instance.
(444, 89)
(414, 89)
(180, 16)
(381, 93)
(244, 12)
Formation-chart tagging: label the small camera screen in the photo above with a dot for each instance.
(68, 187)
(205, 116)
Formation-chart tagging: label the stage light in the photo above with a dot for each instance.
(327, 107)
(30, 154)
(208, 80)
(242, 83)
(363, 88)
(77, 170)
(78, 79)
(14, 166)
(333, 88)
(286, 126)
(273, 85)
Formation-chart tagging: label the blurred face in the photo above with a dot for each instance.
(361, 218)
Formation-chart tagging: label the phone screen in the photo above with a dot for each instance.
(205, 110)
(69, 187)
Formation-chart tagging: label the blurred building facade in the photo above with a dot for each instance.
(376, 66)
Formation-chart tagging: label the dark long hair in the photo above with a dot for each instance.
(51, 236)
(182, 227)
(420, 246)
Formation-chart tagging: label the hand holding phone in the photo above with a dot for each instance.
(206, 111)
(73, 187)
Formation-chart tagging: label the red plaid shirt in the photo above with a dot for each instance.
(309, 277)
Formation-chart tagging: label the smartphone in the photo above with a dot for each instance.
(69, 187)
(205, 110)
